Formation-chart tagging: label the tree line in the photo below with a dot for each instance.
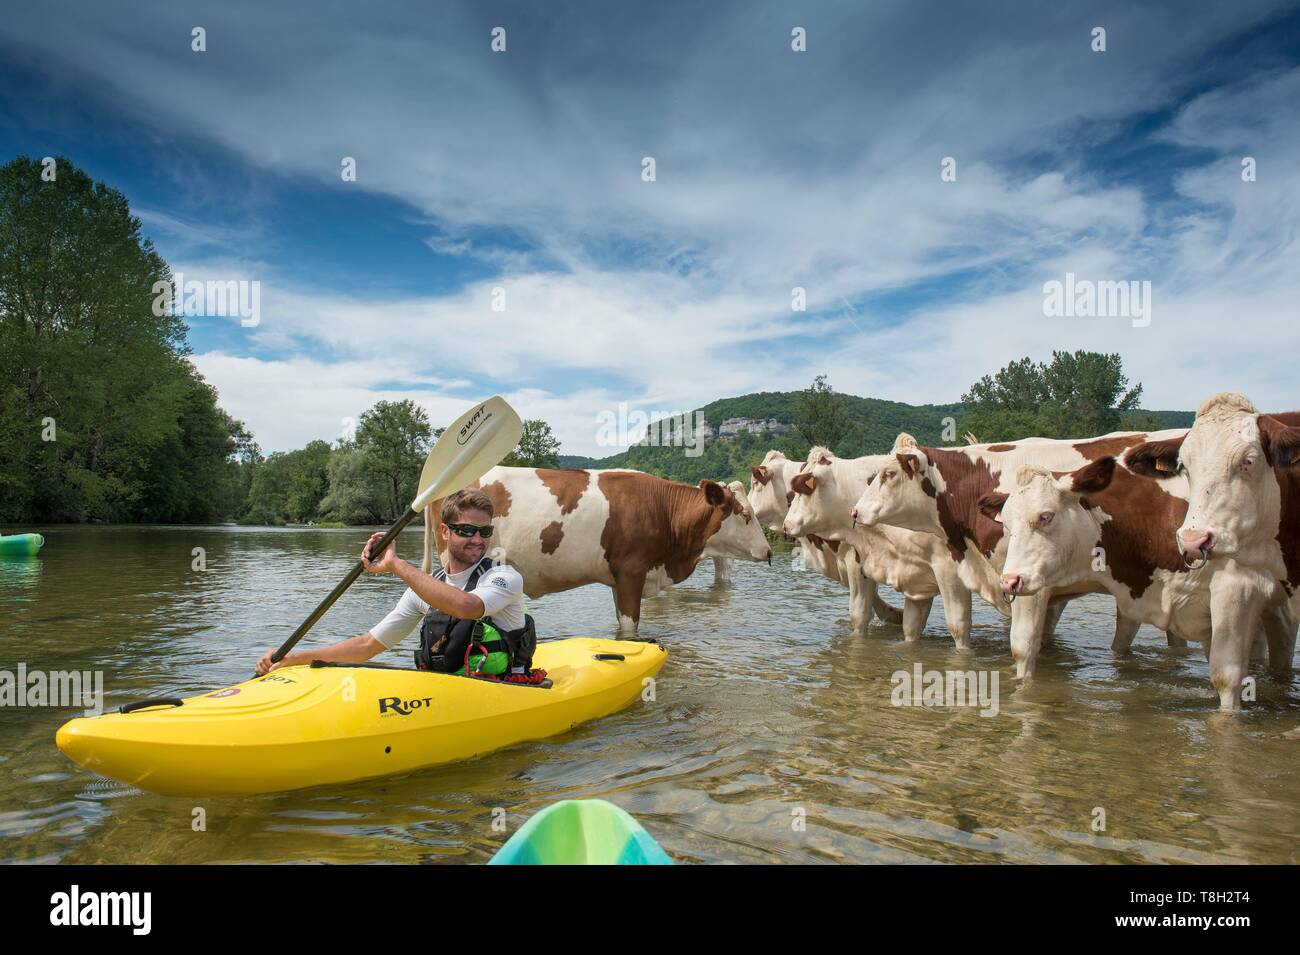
(103, 417)
(368, 478)
(1077, 394)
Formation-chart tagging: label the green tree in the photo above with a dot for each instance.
(820, 416)
(538, 447)
(308, 481)
(1141, 421)
(1076, 394)
(1087, 393)
(354, 497)
(393, 438)
(103, 416)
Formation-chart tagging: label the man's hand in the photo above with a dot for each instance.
(265, 666)
(385, 563)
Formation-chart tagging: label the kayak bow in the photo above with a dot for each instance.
(581, 832)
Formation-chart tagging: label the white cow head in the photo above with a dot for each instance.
(1049, 526)
(903, 493)
(1228, 456)
(740, 535)
(768, 489)
(819, 500)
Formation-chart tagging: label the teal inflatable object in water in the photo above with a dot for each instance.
(581, 832)
(21, 545)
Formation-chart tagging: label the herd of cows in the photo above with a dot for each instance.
(1195, 531)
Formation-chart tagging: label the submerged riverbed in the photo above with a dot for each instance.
(772, 737)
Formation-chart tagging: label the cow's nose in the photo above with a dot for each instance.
(1011, 583)
(854, 515)
(1196, 543)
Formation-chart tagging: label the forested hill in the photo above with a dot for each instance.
(742, 429)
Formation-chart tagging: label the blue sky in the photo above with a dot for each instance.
(522, 170)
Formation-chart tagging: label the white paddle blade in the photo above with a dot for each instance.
(472, 445)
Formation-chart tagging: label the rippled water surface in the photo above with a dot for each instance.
(772, 738)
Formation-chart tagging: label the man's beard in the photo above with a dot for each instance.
(466, 552)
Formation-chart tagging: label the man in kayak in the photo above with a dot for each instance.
(472, 611)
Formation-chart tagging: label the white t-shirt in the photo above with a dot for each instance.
(501, 589)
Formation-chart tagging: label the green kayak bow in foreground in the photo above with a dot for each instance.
(581, 832)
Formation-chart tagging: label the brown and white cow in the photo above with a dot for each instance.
(770, 494)
(938, 491)
(916, 565)
(1105, 524)
(634, 532)
(1242, 521)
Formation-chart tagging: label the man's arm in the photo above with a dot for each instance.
(435, 593)
(353, 650)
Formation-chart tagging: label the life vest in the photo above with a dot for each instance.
(448, 644)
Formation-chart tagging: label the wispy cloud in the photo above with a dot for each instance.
(774, 170)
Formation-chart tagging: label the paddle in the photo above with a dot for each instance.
(464, 452)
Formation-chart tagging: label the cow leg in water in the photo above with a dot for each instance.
(628, 587)
(1126, 629)
(1028, 617)
(1054, 610)
(859, 594)
(956, 610)
(886, 612)
(1280, 631)
(915, 614)
(1235, 609)
(721, 570)
(868, 601)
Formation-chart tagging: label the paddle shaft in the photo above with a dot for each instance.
(343, 585)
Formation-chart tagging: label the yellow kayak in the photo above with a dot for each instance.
(335, 723)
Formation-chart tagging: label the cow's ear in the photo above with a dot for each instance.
(714, 492)
(910, 464)
(991, 505)
(760, 474)
(1093, 477)
(1281, 443)
(1157, 459)
(803, 483)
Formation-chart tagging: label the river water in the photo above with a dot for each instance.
(772, 737)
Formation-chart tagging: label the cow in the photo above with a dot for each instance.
(937, 491)
(634, 532)
(916, 565)
(1107, 525)
(769, 494)
(1242, 521)
(721, 562)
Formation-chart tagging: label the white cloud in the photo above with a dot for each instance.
(775, 170)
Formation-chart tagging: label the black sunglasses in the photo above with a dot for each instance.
(469, 530)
